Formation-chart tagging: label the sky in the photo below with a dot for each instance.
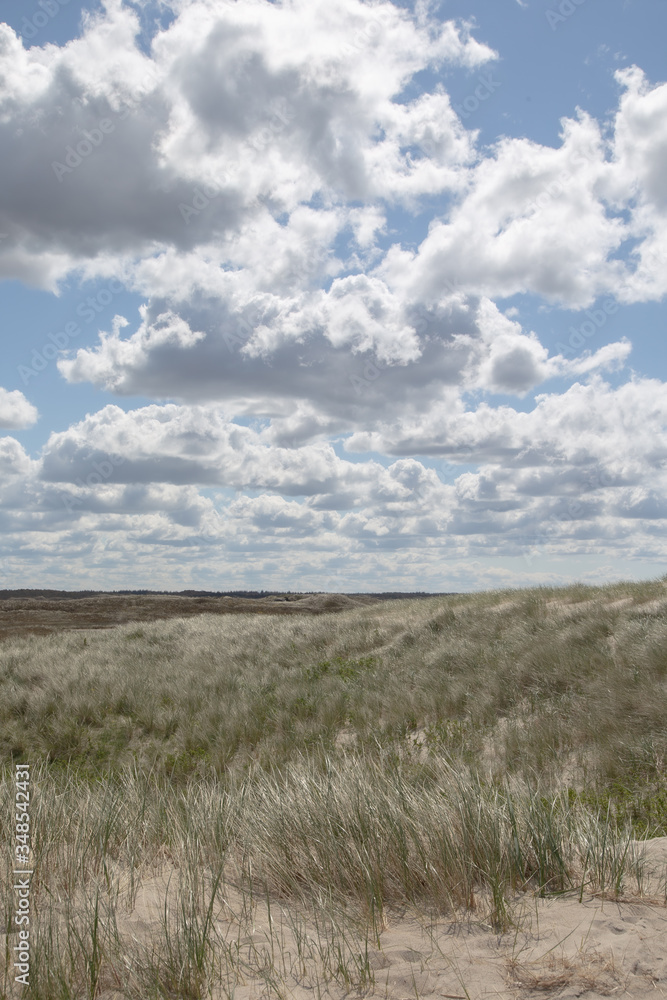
(332, 295)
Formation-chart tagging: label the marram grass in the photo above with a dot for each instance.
(451, 754)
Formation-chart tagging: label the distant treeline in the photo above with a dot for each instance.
(64, 595)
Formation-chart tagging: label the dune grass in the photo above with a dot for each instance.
(445, 754)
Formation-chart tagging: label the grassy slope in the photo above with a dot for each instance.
(511, 680)
(445, 753)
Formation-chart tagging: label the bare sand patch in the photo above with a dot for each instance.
(560, 946)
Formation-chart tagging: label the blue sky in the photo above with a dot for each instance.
(334, 295)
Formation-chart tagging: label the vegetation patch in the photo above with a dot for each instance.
(340, 667)
(455, 754)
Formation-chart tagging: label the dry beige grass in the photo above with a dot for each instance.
(587, 973)
(443, 797)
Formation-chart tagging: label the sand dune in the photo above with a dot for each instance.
(557, 947)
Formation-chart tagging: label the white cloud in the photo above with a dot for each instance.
(179, 445)
(108, 150)
(15, 410)
(276, 316)
(532, 220)
(622, 428)
(245, 184)
(167, 332)
(320, 360)
(638, 181)
(603, 447)
(14, 461)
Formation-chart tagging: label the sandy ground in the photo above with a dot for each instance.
(557, 947)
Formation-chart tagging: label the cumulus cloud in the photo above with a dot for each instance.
(238, 105)
(112, 488)
(242, 177)
(321, 361)
(14, 461)
(591, 438)
(638, 180)
(181, 445)
(589, 423)
(15, 410)
(284, 316)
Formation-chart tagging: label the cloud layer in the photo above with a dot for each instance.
(308, 364)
